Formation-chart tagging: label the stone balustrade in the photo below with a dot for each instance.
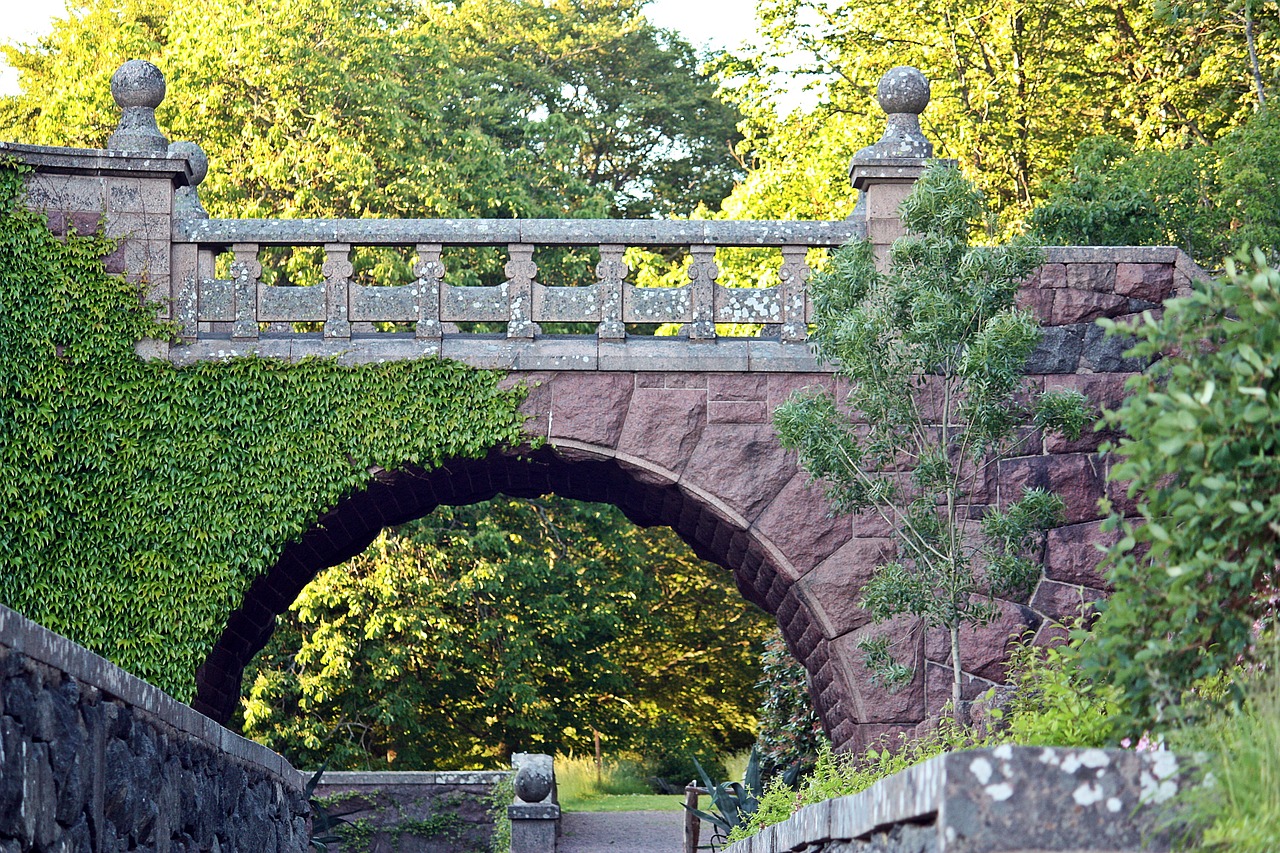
(221, 317)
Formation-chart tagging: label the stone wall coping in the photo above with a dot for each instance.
(1112, 254)
(38, 643)
(387, 778)
(540, 232)
(970, 796)
(569, 352)
(97, 162)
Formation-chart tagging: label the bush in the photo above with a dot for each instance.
(1201, 455)
(1238, 807)
(1055, 702)
(790, 731)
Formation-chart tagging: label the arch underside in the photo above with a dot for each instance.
(645, 498)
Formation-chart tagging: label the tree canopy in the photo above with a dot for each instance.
(358, 108)
(511, 626)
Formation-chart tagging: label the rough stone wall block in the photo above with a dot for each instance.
(93, 758)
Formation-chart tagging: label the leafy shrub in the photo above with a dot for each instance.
(1237, 806)
(1056, 703)
(672, 763)
(1201, 455)
(790, 731)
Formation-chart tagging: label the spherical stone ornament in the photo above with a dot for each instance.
(532, 784)
(138, 83)
(196, 157)
(903, 90)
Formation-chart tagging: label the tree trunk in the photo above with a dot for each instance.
(1253, 55)
(955, 673)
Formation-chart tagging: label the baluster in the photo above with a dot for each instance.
(337, 278)
(430, 272)
(520, 270)
(246, 269)
(703, 272)
(794, 273)
(184, 282)
(611, 272)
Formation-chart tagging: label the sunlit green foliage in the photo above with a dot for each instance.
(355, 108)
(1209, 200)
(1016, 85)
(935, 348)
(790, 731)
(1201, 453)
(141, 500)
(512, 626)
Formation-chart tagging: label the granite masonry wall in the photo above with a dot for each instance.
(92, 758)
(677, 432)
(695, 450)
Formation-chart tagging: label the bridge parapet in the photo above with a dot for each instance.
(239, 313)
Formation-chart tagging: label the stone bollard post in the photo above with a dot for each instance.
(884, 173)
(535, 814)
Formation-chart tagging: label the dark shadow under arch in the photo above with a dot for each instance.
(396, 498)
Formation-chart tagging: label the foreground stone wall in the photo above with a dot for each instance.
(413, 812)
(997, 800)
(92, 758)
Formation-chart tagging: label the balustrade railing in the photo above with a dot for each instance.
(430, 305)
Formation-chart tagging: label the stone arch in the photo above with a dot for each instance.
(645, 493)
(696, 452)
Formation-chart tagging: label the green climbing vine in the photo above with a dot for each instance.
(140, 500)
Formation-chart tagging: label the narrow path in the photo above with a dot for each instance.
(615, 832)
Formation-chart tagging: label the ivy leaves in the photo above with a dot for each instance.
(140, 500)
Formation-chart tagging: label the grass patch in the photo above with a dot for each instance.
(626, 803)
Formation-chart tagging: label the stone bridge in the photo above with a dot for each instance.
(672, 430)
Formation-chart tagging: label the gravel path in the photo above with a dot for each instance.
(616, 832)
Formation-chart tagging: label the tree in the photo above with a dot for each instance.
(1210, 200)
(1114, 196)
(1016, 85)
(354, 108)
(513, 625)
(1195, 580)
(934, 348)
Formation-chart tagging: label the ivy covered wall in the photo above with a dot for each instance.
(139, 500)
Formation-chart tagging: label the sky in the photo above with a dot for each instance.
(715, 23)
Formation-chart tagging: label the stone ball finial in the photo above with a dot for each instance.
(138, 87)
(903, 94)
(186, 200)
(532, 784)
(138, 83)
(903, 90)
(196, 157)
